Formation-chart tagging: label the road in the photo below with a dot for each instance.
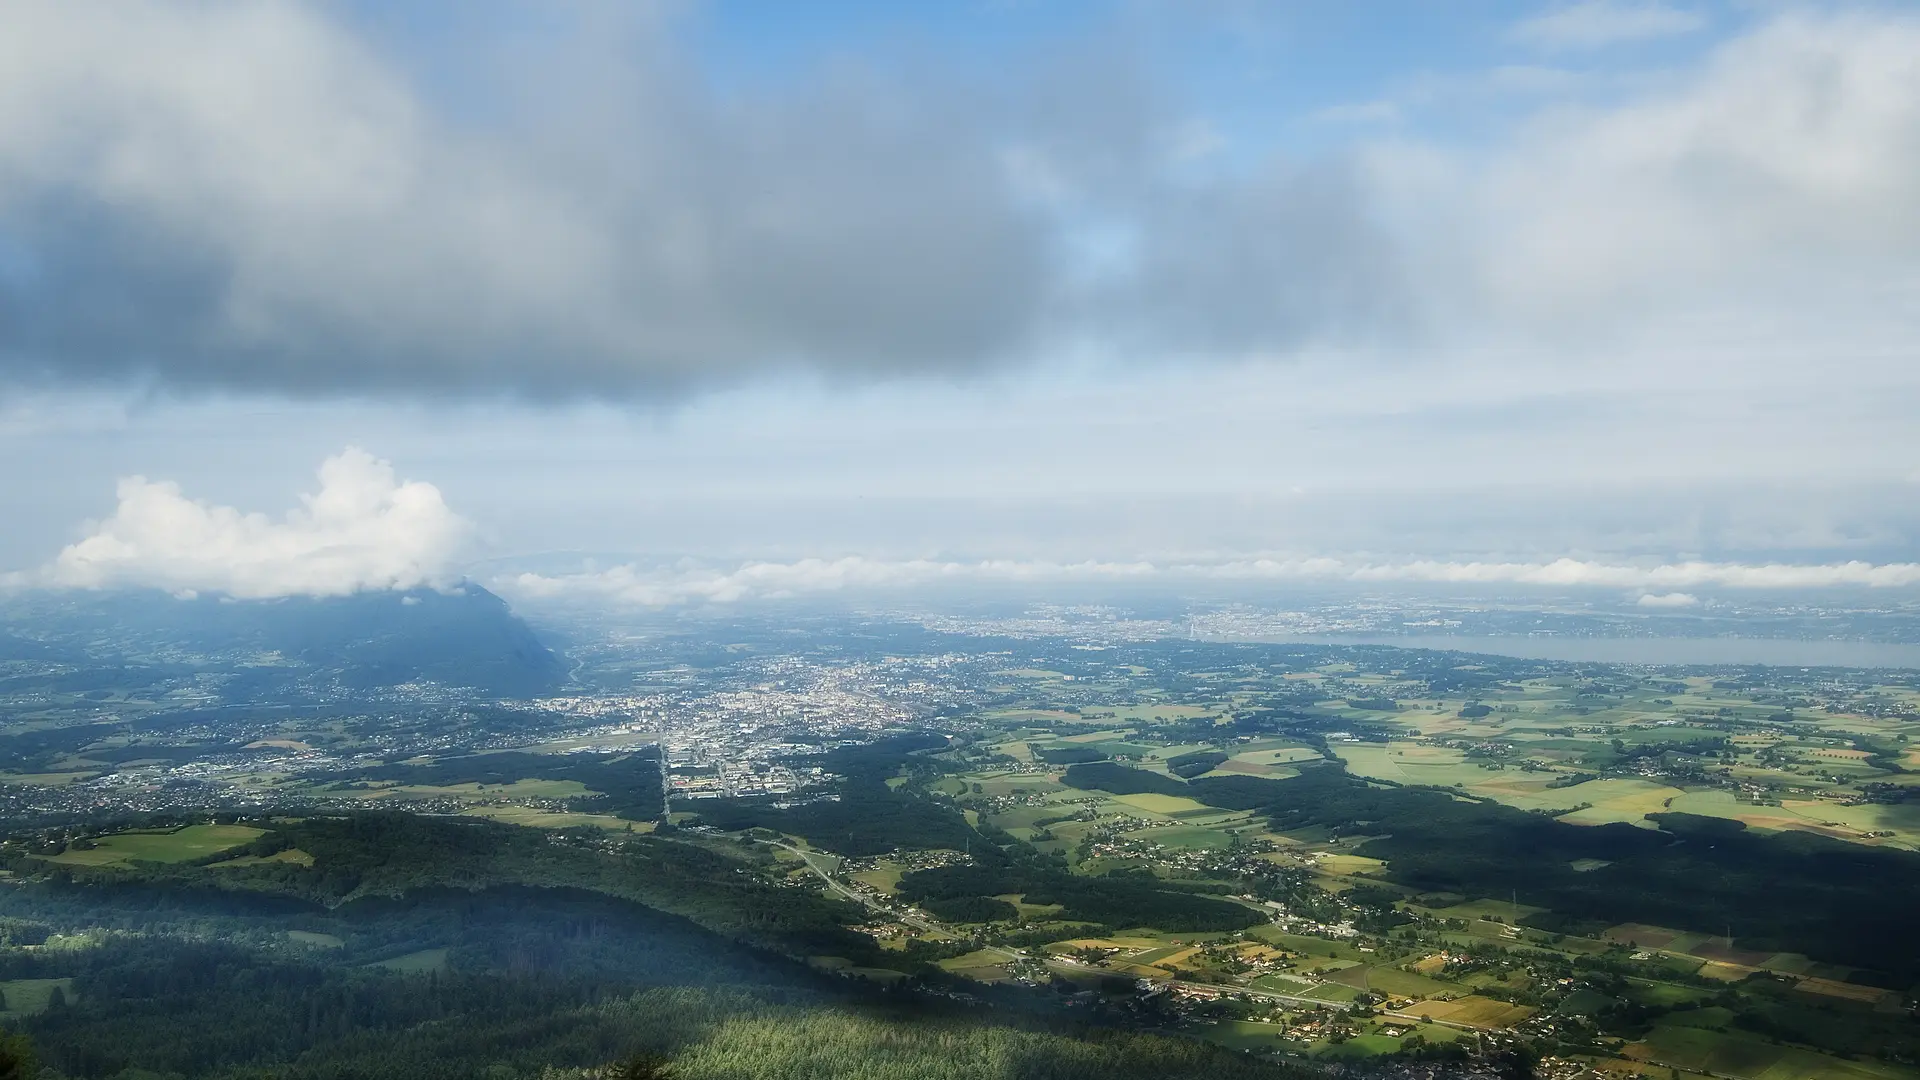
(924, 925)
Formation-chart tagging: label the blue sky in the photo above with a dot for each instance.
(1606, 280)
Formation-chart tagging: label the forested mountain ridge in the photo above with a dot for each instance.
(418, 947)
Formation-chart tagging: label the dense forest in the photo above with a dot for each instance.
(500, 983)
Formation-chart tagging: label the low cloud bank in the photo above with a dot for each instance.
(363, 529)
(689, 583)
(1668, 600)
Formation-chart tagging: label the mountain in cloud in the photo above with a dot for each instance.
(464, 637)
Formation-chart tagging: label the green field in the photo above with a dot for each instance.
(1409, 763)
(175, 846)
(424, 960)
(291, 856)
(1749, 1058)
(1619, 800)
(26, 997)
(1391, 980)
(1248, 1035)
(1163, 804)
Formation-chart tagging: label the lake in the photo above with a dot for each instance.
(1776, 652)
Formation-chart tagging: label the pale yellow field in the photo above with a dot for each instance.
(1171, 962)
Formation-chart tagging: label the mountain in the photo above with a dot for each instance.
(462, 637)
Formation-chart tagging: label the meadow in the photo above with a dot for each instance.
(160, 846)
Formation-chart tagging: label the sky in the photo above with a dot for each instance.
(697, 301)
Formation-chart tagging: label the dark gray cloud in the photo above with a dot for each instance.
(262, 197)
(1260, 262)
(254, 197)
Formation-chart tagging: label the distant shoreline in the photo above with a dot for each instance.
(1680, 652)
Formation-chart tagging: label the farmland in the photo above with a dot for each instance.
(1585, 750)
(1335, 853)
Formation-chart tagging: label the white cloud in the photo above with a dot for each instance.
(1593, 24)
(1668, 600)
(270, 200)
(260, 196)
(1769, 186)
(363, 529)
(257, 196)
(1575, 573)
(686, 582)
(689, 583)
